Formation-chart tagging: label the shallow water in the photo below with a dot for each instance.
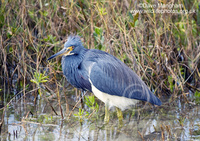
(174, 121)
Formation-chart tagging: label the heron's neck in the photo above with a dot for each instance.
(70, 63)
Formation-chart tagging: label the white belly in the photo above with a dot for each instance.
(112, 100)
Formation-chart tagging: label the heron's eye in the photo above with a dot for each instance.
(69, 49)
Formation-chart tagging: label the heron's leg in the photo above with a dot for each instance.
(82, 94)
(106, 118)
(119, 114)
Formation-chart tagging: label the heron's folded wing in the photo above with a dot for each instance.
(110, 75)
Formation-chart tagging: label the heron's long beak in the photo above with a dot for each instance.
(64, 51)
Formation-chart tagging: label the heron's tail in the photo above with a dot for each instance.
(154, 99)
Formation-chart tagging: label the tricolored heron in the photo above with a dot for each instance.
(107, 77)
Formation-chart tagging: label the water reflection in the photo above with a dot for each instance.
(169, 122)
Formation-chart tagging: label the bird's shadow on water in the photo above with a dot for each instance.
(173, 120)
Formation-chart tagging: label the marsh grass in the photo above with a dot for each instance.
(162, 48)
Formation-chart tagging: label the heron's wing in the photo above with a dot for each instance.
(83, 78)
(110, 75)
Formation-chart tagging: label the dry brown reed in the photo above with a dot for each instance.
(163, 48)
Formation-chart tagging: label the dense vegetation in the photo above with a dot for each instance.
(163, 48)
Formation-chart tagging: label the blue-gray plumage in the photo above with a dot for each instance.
(103, 74)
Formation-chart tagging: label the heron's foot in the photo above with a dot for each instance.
(119, 115)
(106, 118)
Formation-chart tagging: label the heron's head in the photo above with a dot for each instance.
(73, 46)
